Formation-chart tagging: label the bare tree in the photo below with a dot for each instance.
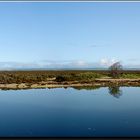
(116, 70)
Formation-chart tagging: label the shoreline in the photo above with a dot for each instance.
(66, 84)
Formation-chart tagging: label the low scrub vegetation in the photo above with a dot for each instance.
(88, 76)
(9, 77)
(130, 76)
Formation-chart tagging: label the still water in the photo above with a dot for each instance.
(59, 112)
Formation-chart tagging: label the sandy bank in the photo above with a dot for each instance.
(53, 84)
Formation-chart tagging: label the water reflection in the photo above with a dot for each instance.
(87, 87)
(58, 113)
(112, 90)
(115, 91)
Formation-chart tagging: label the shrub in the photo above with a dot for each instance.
(61, 78)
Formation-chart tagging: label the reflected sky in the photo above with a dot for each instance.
(69, 112)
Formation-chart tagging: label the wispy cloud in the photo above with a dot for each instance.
(100, 44)
(133, 59)
(95, 46)
(133, 63)
(47, 64)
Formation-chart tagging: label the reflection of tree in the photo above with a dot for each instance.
(115, 91)
(87, 87)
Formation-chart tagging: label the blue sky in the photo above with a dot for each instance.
(71, 34)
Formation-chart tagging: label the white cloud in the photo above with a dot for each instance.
(107, 62)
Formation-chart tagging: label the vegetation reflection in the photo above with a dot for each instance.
(87, 87)
(115, 91)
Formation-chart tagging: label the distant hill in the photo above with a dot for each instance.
(20, 69)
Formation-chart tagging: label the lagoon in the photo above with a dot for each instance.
(70, 112)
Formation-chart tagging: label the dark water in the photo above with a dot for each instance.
(70, 112)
